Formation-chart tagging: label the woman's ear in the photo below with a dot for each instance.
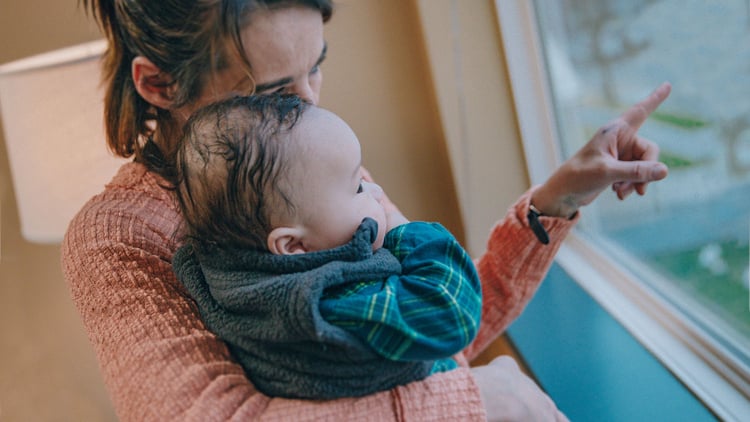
(151, 83)
(286, 241)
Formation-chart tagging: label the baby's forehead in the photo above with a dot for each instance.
(312, 127)
(320, 132)
(318, 115)
(319, 121)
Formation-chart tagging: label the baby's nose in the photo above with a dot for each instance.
(373, 189)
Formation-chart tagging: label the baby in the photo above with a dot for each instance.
(295, 263)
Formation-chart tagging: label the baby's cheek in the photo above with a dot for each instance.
(379, 241)
(382, 230)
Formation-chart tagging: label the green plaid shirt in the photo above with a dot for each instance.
(429, 311)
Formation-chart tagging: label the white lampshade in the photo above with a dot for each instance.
(52, 112)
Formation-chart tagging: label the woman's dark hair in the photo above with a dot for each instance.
(228, 169)
(186, 39)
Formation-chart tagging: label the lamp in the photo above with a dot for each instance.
(52, 112)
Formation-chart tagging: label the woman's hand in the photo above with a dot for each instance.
(509, 395)
(616, 156)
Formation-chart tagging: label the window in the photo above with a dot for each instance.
(671, 266)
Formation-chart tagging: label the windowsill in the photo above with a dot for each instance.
(591, 366)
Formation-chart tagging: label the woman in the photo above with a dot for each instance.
(159, 362)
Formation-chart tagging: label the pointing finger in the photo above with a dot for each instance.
(637, 114)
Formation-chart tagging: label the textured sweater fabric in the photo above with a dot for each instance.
(161, 363)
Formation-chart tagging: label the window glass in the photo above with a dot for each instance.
(691, 230)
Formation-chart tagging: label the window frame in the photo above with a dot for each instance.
(702, 364)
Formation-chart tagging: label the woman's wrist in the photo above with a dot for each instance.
(553, 205)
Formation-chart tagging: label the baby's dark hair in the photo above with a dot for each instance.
(228, 166)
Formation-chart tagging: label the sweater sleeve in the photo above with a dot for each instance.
(429, 311)
(158, 360)
(512, 268)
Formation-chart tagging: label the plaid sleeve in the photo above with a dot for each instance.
(430, 311)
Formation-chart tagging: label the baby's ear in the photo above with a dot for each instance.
(286, 241)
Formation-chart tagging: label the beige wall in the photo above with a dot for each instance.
(47, 368)
(377, 79)
(462, 41)
(386, 75)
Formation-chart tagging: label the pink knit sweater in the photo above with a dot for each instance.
(160, 363)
